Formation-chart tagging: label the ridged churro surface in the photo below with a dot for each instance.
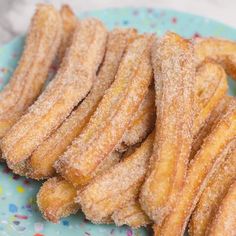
(71, 84)
(112, 117)
(56, 197)
(213, 195)
(225, 220)
(220, 50)
(69, 23)
(212, 153)
(174, 72)
(116, 187)
(40, 50)
(132, 215)
(40, 164)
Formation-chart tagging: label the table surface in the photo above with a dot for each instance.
(15, 14)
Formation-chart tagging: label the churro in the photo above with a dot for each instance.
(56, 196)
(212, 153)
(40, 164)
(211, 87)
(225, 220)
(209, 124)
(132, 215)
(55, 199)
(70, 85)
(69, 22)
(112, 117)
(112, 197)
(220, 50)
(116, 187)
(40, 50)
(212, 196)
(143, 121)
(173, 64)
(133, 129)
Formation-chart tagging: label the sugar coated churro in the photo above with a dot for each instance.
(225, 220)
(173, 64)
(56, 198)
(69, 22)
(57, 211)
(219, 50)
(211, 87)
(116, 187)
(132, 215)
(109, 122)
(71, 84)
(212, 196)
(212, 153)
(133, 129)
(40, 164)
(40, 49)
(143, 121)
(203, 132)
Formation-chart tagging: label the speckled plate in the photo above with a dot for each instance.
(19, 214)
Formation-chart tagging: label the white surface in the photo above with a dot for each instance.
(15, 14)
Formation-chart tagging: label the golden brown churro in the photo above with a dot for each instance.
(55, 199)
(133, 129)
(209, 124)
(132, 215)
(116, 187)
(71, 84)
(212, 153)
(41, 46)
(69, 22)
(143, 121)
(109, 122)
(173, 63)
(225, 220)
(219, 50)
(212, 196)
(40, 165)
(112, 197)
(56, 196)
(57, 211)
(211, 87)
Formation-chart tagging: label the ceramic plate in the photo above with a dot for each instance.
(19, 214)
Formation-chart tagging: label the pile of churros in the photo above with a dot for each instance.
(134, 129)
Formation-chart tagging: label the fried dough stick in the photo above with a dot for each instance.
(132, 215)
(138, 216)
(70, 85)
(40, 164)
(40, 50)
(112, 117)
(54, 209)
(212, 153)
(225, 220)
(173, 64)
(69, 22)
(143, 121)
(212, 196)
(116, 187)
(211, 87)
(55, 198)
(220, 50)
(209, 124)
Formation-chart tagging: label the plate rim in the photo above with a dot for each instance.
(169, 10)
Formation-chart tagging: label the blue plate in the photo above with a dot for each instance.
(19, 214)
